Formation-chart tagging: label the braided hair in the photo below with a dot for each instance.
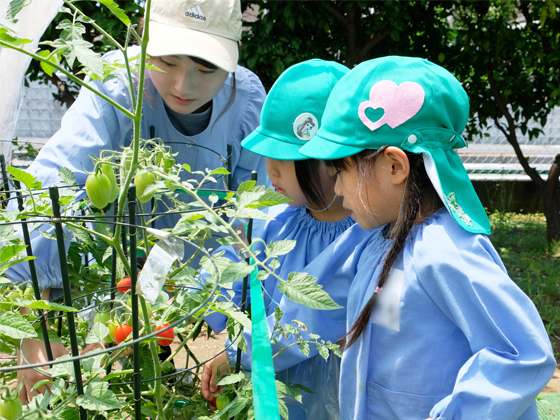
(418, 189)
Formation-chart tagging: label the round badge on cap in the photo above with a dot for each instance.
(305, 126)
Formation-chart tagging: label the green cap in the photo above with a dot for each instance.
(415, 105)
(293, 109)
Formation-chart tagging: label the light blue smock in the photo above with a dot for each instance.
(470, 345)
(335, 270)
(92, 125)
(289, 223)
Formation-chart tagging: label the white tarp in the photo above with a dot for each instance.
(33, 20)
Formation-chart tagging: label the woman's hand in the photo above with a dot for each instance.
(209, 377)
(35, 352)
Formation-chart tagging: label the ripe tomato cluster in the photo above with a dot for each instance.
(119, 331)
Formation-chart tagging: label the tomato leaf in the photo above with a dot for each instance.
(116, 10)
(301, 288)
(97, 334)
(43, 304)
(67, 176)
(274, 249)
(98, 397)
(232, 379)
(16, 326)
(15, 7)
(26, 179)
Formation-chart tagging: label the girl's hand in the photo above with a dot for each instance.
(209, 377)
(35, 352)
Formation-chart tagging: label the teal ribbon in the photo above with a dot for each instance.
(265, 398)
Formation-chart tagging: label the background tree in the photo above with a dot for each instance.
(67, 90)
(507, 54)
(348, 32)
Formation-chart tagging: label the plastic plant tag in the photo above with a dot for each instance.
(156, 268)
(170, 244)
(154, 273)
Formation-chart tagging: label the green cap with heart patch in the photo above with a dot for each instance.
(293, 109)
(415, 105)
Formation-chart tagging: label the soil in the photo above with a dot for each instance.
(202, 348)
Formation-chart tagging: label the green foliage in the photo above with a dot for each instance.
(531, 262)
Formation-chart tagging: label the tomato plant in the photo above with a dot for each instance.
(101, 251)
(99, 190)
(167, 336)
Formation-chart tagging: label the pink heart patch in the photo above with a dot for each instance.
(400, 103)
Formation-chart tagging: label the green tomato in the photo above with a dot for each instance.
(168, 164)
(108, 171)
(221, 403)
(142, 182)
(11, 409)
(5, 306)
(102, 317)
(112, 328)
(29, 294)
(99, 190)
(140, 312)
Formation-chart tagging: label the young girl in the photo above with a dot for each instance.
(200, 103)
(314, 218)
(436, 328)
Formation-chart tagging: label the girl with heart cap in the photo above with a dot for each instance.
(314, 218)
(435, 327)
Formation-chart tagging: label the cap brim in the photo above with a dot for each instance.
(451, 181)
(167, 39)
(272, 148)
(321, 148)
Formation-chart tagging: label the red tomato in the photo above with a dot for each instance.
(124, 284)
(121, 332)
(167, 336)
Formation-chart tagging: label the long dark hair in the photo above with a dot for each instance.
(418, 192)
(208, 65)
(308, 174)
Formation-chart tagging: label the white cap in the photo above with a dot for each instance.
(207, 29)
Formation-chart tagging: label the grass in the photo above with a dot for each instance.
(532, 263)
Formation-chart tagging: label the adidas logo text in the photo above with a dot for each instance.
(195, 12)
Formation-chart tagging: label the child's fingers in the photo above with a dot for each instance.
(205, 381)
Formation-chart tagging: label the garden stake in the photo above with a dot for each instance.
(33, 274)
(6, 187)
(53, 192)
(230, 176)
(134, 299)
(113, 285)
(245, 280)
